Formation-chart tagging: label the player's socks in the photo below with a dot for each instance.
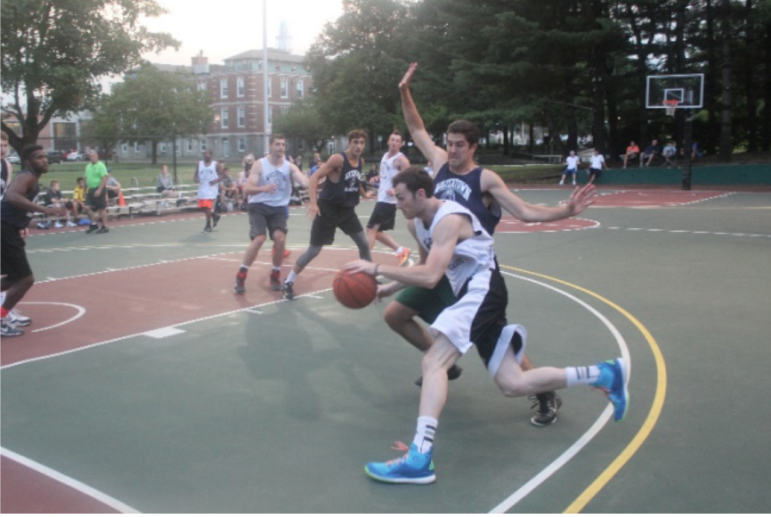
(400, 250)
(424, 434)
(3, 312)
(291, 277)
(582, 375)
(243, 269)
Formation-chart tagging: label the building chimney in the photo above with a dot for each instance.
(200, 64)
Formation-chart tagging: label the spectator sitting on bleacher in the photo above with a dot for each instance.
(669, 153)
(228, 191)
(113, 189)
(571, 167)
(53, 199)
(79, 197)
(632, 152)
(165, 183)
(650, 153)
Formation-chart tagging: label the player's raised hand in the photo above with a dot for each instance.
(581, 199)
(405, 82)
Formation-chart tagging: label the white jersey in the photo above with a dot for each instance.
(597, 161)
(387, 173)
(281, 176)
(470, 256)
(207, 174)
(572, 162)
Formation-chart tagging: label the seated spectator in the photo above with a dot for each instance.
(571, 167)
(113, 189)
(597, 163)
(228, 191)
(695, 151)
(79, 197)
(669, 153)
(632, 152)
(53, 198)
(165, 183)
(650, 153)
(247, 163)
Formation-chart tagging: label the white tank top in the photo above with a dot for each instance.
(274, 175)
(207, 174)
(470, 256)
(387, 173)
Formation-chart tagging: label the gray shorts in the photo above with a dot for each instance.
(262, 217)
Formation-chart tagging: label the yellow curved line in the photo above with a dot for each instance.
(653, 416)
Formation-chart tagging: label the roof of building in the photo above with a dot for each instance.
(274, 54)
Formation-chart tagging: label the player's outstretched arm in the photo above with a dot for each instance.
(299, 177)
(579, 200)
(415, 123)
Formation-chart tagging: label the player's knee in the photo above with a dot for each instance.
(259, 240)
(279, 237)
(513, 387)
(396, 315)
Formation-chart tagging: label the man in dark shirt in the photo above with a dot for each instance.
(650, 152)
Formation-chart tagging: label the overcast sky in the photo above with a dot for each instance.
(224, 28)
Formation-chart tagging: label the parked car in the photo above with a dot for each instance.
(76, 156)
(54, 157)
(14, 158)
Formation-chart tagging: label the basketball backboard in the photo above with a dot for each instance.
(686, 89)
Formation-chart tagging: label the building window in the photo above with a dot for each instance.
(202, 145)
(189, 145)
(270, 88)
(201, 86)
(241, 116)
(284, 89)
(124, 149)
(270, 115)
(241, 145)
(223, 88)
(224, 118)
(240, 87)
(136, 147)
(225, 147)
(162, 147)
(300, 89)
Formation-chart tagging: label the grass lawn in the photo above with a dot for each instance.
(145, 173)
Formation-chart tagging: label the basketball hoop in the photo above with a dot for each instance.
(670, 107)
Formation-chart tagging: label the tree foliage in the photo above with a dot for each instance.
(54, 52)
(154, 106)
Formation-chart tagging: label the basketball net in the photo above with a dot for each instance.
(671, 107)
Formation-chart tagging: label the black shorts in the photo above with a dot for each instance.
(262, 217)
(14, 257)
(331, 218)
(595, 172)
(112, 194)
(94, 201)
(383, 216)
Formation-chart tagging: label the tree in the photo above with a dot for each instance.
(303, 121)
(154, 106)
(56, 51)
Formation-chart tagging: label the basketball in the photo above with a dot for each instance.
(354, 290)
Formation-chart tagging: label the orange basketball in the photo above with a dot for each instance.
(354, 290)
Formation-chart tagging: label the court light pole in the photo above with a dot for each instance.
(265, 107)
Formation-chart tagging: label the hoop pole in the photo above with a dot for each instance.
(688, 151)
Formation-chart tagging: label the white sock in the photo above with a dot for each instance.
(401, 248)
(424, 434)
(276, 268)
(582, 375)
(244, 266)
(290, 278)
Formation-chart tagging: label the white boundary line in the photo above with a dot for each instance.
(81, 312)
(68, 481)
(508, 503)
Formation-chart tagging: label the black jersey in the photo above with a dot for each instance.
(466, 189)
(344, 192)
(12, 215)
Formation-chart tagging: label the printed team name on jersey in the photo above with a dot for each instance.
(427, 242)
(449, 189)
(455, 262)
(352, 177)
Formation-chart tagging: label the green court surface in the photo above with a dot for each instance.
(253, 404)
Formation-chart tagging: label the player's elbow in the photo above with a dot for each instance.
(431, 279)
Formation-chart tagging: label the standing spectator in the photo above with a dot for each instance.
(96, 196)
(208, 177)
(316, 164)
(228, 191)
(15, 210)
(632, 152)
(7, 170)
(298, 160)
(669, 153)
(243, 176)
(650, 153)
(596, 166)
(165, 183)
(53, 199)
(571, 163)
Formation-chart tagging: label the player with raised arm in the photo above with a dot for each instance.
(268, 189)
(335, 206)
(453, 244)
(484, 193)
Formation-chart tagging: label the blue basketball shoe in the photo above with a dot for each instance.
(613, 381)
(413, 467)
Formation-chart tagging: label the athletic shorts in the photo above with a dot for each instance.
(331, 218)
(262, 217)
(112, 194)
(428, 303)
(595, 172)
(205, 203)
(479, 318)
(94, 201)
(383, 216)
(570, 171)
(13, 259)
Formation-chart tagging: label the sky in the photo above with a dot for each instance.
(225, 28)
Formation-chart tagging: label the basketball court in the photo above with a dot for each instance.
(146, 385)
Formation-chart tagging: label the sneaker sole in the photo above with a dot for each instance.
(23, 323)
(533, 421)
(427, 480)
